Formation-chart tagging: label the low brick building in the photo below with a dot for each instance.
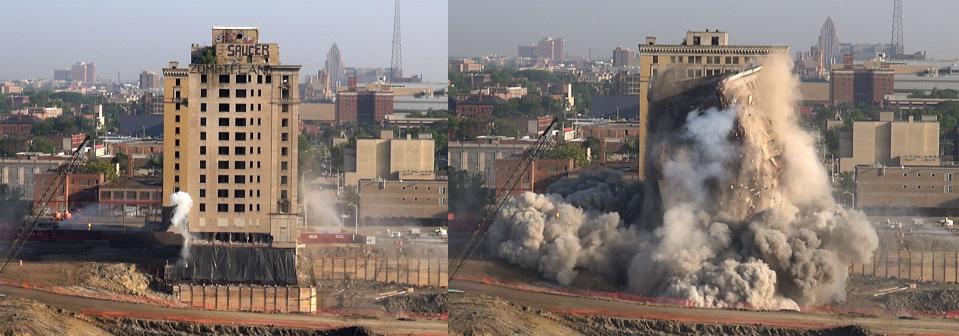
(403, 202)
(536, 178)
(908, 189)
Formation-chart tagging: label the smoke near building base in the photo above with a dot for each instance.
(743, 214)
(181, 224)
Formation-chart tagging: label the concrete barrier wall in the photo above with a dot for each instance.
(930, 265)
(248, 298)
(429, 270)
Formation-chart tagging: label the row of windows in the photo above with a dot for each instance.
(130, 195)
(708, 59)
(442, 200)
(240, 79)
(237, 150)
(240, 179)
(225, 107)
(947, 188)
(222, 207)
(238, 193)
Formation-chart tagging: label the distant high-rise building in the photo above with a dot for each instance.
(150, 80)
(83, 72)
(334, 68)
(550, 48)
(527, 51)
(230, 139)
(624, 57)
(829, 44)
(61, 74)
(857, 85)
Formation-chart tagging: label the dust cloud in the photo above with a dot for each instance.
(181, 224)
(744, 213)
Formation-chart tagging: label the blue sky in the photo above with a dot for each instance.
(130, 36)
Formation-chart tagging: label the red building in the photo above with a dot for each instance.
(858, 85)
(363, 106)
(17, 125)
(538, 176)
(78, 191)
(478, 106)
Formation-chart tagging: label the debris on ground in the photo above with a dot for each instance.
(935, 301)
(429, 304)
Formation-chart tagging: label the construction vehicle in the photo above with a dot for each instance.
(40, 209)
(543, 143)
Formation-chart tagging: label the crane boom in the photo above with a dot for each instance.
(502, 195)
(26, 229)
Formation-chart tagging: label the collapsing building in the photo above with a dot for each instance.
(735, 209)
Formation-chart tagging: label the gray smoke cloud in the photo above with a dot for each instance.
(748, 219)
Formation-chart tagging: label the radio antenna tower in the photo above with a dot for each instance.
(396, 63)
(896, 48)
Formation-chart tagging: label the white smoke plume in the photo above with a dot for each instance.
(747, 214)
(180, 222)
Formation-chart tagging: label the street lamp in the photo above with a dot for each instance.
(356, 219)
(852, 196)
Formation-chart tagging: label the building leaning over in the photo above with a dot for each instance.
(230, 123)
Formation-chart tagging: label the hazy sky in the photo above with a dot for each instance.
(498, 26)
(130, 36)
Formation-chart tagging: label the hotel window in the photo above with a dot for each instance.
(202, 121)
(176, 178)
(176, 166)
(202, 135)
(202, 107)
(224, 107)
(655, 59)
(176, 142)
(284, 122)
(240, 179)
(224, 121)
(202, 178)
(176, 118)
(284, 165)
(202, 192)
(714, 40)
(241, 79)
(239, 150)
(223, 164)
(202, 78)
(222, 193)
(223, 150)
(697, 40)
(284, 136)
(177, 106)
(240, 93)
(203, 163)
(177, 82)
(221, 207)
(225, 79)
(239, 194)
(284, 151)
(239, 136)
(202, 93)
(240, 108)
(176, 155)
(239, 165)
(202, 207)
(285, 108)
(222, 179)
(283, 180)
(223, 136)
(224, 93)
(259, 79)
(269, 79)
(239, 208)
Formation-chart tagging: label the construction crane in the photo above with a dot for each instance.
(502, 195)
(58, 181)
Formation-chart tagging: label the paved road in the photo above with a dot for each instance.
(590, 306)
(109, 308)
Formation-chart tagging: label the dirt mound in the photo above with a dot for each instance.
(119, 278)
(135, 327)
(927, 300)
(416, 303)
(484, 315)
(599, 325)
(25, 317)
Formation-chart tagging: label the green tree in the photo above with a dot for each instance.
(467, 192)
(99, 166)
(568, 150)
(505, 127)
(123, 160)
(42, 145)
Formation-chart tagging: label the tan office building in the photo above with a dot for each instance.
(702, 54)
(230, 138)
(387, 158)
(403, 202)
(891, 143)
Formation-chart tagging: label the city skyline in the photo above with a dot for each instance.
(130, 44)
(926, 24)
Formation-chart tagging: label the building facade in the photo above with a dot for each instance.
(403, 202)
(860, 86)
(539, 175)
(387, 158)
(928, 190)
(230, 141)
(911, 142)
(362, 106)
(479, 157)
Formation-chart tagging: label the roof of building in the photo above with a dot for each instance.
(21, 119)
(136, 182)
(482, 100)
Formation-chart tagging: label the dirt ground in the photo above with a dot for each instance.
(483, 315)
(27, 317)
